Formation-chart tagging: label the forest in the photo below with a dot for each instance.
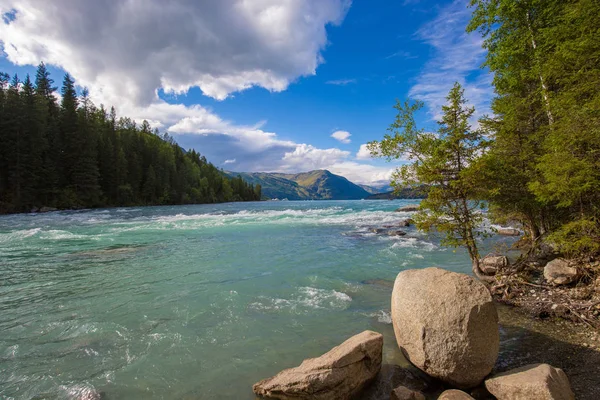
(70, 154)
(535, 161)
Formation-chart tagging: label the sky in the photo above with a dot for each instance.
(257, 85)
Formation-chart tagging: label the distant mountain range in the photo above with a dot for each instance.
(313, 185)
(320, 185)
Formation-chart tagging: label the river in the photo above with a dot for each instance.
(195, 301)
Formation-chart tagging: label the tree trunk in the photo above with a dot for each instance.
(544, 87)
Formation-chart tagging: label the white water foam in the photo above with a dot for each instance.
(306, 299)
(360, 220)
(18, 235)
(382, 316)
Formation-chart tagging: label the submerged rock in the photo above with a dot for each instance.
(446, 324)
(404, 393)
(338, 374)
(454, 394)
(531, 382)
(493, 263)
(408, 208)
(559, 272)
(395, 233)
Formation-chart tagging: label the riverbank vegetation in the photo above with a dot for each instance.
(535, 162)
(72, 154)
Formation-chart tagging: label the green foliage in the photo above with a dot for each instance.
(543, 167)
(444, 161)
(577, 238)
(74, 155)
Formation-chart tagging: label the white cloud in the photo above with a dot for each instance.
(308, 157)
(363, 153)
(458, 57)
(126, 51)
(341, 82)
(129, 49)
(362, 173)
(341, 136)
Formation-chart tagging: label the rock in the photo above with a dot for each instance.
(377, 230)
(404, 393)
(492, 263)
(338, 374)
(395, 233)
(531, 382)
(405, 222)
(559, 272)
(391, 376)
(47, 209)
(454, 394)
(34, 210)
(408, 208)
(446, 324)
(508, 232)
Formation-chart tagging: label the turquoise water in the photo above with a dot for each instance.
(193, 302)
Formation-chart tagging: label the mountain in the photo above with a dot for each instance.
(313, 185)
(376, 190)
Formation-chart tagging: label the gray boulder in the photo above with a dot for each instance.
(531, 382)
(492, 263)
(560, 272)
(446, 324)
(338, 374)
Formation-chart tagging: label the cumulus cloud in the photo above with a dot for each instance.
(341, 136)
(363, 153)
(310, 157)
(458, 57)
(129, 49)
(125, 52)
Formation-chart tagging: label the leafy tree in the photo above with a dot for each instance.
(543, 167)
(444, 161)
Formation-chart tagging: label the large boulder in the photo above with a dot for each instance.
(338, 374)
(446, 324)
(493, 263)
(531, 382)
(560, 272)
(454, 394)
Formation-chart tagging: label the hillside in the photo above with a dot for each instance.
(313, 185)
(405, 193)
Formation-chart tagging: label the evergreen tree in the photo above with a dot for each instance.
(443, 161)
(77, 155)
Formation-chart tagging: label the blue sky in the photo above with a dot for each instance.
(267, 85)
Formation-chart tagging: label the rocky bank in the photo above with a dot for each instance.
(446, 324)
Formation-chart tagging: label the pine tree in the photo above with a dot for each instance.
(443, 161)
